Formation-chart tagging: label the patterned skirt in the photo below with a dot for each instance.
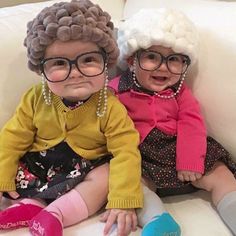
(51, 173)
(159, 165)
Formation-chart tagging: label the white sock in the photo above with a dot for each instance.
(227, 210)
(152, 207)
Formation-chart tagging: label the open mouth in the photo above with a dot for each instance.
(160, 79)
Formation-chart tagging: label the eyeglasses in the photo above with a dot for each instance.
(89, 64)
(151, 60)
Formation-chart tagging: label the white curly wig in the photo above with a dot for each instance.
(160, 26)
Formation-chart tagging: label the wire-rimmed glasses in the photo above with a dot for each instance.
(151, 60)
(58, 69)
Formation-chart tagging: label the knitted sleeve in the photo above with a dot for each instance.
(191, 134)
(15, 139)
(125, 166)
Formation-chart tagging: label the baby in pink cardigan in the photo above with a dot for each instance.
(158, 46)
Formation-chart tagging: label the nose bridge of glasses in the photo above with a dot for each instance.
(163, 61)
(74, 65)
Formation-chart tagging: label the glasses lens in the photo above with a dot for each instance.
(149, 60)
(177, 64)
(56, 69)
(91, 64)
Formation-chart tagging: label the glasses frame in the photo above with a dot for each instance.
(164, 59)
(71, 63)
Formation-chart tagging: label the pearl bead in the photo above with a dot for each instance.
(46, 96)
(157, 94)
(103, 94)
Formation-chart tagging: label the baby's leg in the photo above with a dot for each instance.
(222, 185)
(153, 217)
(19, 214)
(76, 205)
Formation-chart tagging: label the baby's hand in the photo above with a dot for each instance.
(184, 175)
(13, 194)
(126, 220)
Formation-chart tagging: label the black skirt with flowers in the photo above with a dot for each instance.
(51, 173)
(158, 152)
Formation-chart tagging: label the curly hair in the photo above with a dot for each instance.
(64, 21)
(158, 26)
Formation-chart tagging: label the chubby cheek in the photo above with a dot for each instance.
(173, 79)
(99, 83)
(56, 88)
(142, 77)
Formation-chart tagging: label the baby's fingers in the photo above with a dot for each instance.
(13, 194)
(198, 176)
(104, 216)
(192, 177)
(181, 177)
(110, 221)
(123, 225)
(134, 222)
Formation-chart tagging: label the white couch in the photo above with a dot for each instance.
(214, 83)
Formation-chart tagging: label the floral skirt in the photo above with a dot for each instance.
(51, 173)
(159, 162)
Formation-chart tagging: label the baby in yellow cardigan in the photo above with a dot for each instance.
(56, 149)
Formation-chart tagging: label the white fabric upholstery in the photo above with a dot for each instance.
(214, 84)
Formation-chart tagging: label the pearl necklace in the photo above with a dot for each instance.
(46, 95)
(177, 91)
(103, 94)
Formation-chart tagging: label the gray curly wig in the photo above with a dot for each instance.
(64, 21)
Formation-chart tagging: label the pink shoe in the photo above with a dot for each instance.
(45, 224)
(18, 216)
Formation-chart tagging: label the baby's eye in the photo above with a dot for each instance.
(174, 58)
(59, 63)
(55, 63)
(89, 59)
(184, 60)
(151, 56)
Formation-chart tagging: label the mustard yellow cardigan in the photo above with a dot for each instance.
(36, 126)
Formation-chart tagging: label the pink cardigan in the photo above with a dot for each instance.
(180, 116)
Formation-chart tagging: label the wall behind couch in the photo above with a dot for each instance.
(7, 3)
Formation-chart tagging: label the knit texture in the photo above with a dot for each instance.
(37, 126)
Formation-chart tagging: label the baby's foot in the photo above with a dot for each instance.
(163, 225)
(45, 224)
(18, 216)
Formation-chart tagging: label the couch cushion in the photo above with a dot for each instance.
(214, 81)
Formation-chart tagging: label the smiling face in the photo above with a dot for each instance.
(77, 86)
(159, 79)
